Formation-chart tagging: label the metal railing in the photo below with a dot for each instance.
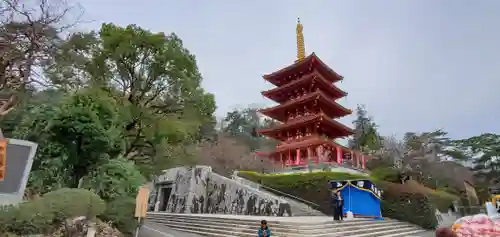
(259, 186)
(290, 196)
(470, 210)
(277, 192)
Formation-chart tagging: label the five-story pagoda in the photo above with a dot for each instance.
(307, 111)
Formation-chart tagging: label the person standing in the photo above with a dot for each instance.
(340, 206)
(334, 206)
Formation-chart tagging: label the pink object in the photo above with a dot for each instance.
(478, 226)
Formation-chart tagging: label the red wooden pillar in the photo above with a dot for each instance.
(289, 159)
(282, 161)
(297, 161)
(353, 159)
(356, 162)
(309, 153)
(363, 162)
(339, 155)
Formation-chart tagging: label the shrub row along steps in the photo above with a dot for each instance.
(297, 207)
(246, 226)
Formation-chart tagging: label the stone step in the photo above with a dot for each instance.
(403, 233)
(273, 221)
(393, 232)
(250, 228)
(246, 226)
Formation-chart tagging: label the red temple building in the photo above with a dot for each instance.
(307, 111)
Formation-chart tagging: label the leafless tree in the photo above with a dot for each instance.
(227, 154)
(29, 34)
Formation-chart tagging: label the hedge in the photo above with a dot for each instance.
(44, 215)
(120, 213)
(404, 202)
(407, 202)
(69, 203)
(313, 187)
(440, 199)
(386, 174)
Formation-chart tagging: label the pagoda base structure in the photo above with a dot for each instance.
(315, 150)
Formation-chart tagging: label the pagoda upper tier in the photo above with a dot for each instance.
(309, 103)
(322, 125)
(302, 67)
(308, 83)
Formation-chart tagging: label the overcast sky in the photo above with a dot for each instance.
(417, 65)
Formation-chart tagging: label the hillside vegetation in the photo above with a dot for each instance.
(410, 202)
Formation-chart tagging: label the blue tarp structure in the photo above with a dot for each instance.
(361, 197)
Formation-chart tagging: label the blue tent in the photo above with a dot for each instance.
(361, 197)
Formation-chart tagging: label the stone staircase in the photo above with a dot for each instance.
(315, 226)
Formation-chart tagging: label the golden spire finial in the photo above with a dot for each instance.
(301, 49)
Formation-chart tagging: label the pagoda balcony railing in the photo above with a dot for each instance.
(296, 97)
(347, 162)
(323, 165)
(293, 140)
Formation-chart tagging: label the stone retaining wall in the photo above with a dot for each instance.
(199, 190)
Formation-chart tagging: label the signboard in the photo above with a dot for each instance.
(17, 167)
(3, 157)
(141, 202)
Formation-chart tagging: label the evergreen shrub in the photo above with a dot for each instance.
(120, 213)
(386, 174)
(402, 202)
(44, 215)
(27, 218)
(67, 203)
(440, 199)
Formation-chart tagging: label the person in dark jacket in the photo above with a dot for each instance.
(264, 230)
(338, 206)
(334, 205)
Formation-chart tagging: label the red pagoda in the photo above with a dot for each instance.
(307, 111)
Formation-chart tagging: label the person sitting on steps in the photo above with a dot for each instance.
(264, 230)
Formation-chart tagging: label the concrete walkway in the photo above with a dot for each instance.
(157, 230)
(424, 234)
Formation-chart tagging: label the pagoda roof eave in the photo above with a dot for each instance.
(313, 141)
(311, 58)
(290, 85)
(304, 99)
(346, 131)
(308, 142)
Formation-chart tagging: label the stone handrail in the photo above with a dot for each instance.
(258, 186)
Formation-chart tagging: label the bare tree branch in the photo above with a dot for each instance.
(29, 35)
